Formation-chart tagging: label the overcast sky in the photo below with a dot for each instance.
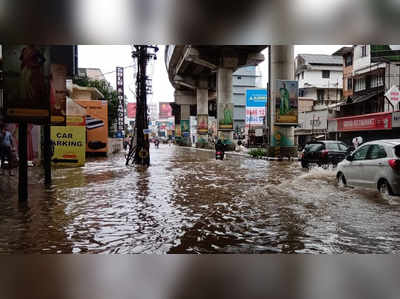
(108, 57)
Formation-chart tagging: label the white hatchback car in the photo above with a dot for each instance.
(375, 164)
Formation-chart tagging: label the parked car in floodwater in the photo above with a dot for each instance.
(375, 165)
(324, 152)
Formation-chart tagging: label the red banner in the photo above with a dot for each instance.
(131, 110)
(165, 110)
(375, 121)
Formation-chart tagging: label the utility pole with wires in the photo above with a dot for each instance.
(139, 153)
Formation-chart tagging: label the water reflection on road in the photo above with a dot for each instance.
(187, 202)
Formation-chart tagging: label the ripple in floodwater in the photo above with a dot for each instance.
(187, 202)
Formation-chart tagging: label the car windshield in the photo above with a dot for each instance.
(313, 147)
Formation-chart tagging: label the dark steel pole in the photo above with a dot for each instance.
(23, 162)
(47, 156)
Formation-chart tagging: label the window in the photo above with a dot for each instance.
(376, 152)
(363, 51)
(332, 146)
(302, 75)
(361, 153)
(313, 147)
(349, 83)
(348, 60)
(301, 92)
(342, 147)
(326, 74)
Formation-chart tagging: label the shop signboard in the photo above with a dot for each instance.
(26, 83)
(96, 125)
(375, 121)
(131, 109)
(256, 101)
(165, 110)
(69, 145)
(286, 102)
(120, 94)
(202, 124)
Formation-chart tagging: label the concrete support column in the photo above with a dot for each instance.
(225, 104)
(185, 124)
(202, 101)
(202, 114)
(185, 112)
(282, 68)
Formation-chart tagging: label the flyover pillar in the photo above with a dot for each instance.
(225, 105)
(282, 68)
(185, 123)
(202, 115)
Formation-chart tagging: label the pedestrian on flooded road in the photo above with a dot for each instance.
(6, 148)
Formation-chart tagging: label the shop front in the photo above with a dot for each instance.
(368, 126)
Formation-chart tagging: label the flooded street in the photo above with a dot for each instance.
(187, 202)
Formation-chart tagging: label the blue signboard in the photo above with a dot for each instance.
(256, 97)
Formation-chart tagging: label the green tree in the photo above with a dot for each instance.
(109, 94)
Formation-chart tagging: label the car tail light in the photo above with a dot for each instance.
(395, 164)
(324, 153)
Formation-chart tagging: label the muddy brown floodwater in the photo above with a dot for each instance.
(187, 202)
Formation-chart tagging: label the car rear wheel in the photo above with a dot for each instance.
(384, 188)
(341, 180)
(304, 164)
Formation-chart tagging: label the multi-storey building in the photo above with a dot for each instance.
(244, 78)
(320, 77)
(367, 111)
(347, 54)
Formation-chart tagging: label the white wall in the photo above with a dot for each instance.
(361, 62)
(314, 77)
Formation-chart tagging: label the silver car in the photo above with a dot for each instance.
(375, 165)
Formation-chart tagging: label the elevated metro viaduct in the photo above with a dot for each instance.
(202, 78)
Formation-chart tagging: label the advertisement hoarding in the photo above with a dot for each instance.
(96, 125)
(286, 102)
(26, 72)
(256, 101)
(202, 124)
(185, 127)
(131, 109)
(165, 110)
(225, 116)
(121, 104)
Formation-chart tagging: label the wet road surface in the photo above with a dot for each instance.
(187, 202)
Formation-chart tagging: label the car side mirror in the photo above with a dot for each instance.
(350, 158)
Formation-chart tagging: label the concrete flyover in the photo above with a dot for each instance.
(202, 78)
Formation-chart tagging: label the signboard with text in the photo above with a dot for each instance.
(393, 94)
(256, 101)
(120, 92)
(376, 121)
